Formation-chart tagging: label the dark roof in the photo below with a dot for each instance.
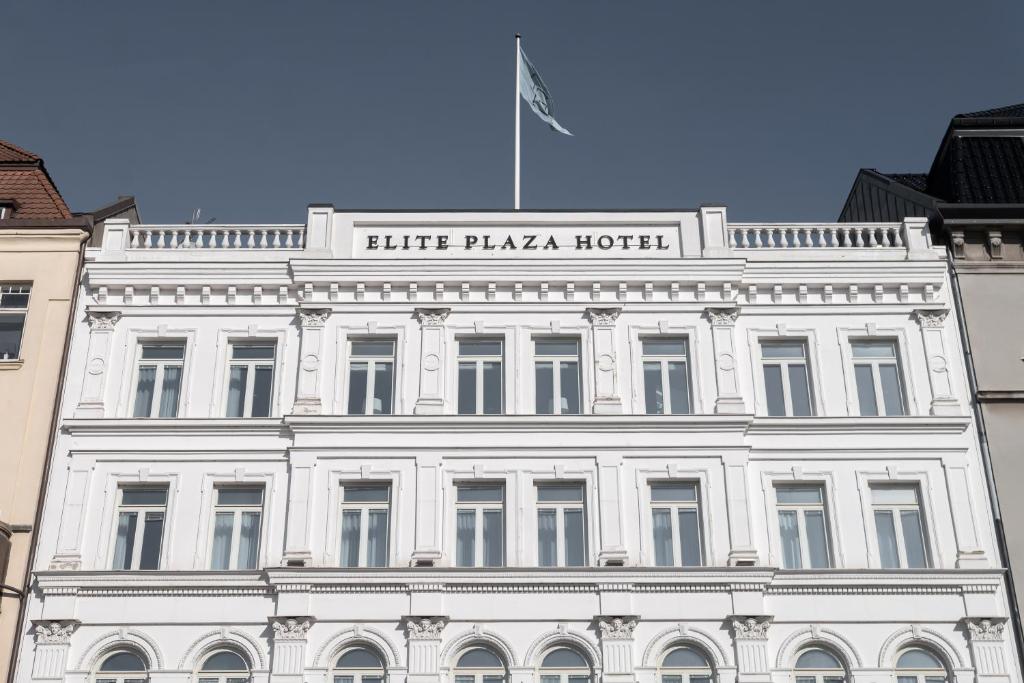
(1013, 111)
(980, 170)
(915, 181)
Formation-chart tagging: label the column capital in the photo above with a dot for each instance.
(750, 627)
(425, 628)
(432, 317)
(54, 631)
(291, 628)
(722, 316)
(617, 627)
(985, 628)
(931, 317)
(313, 318)
(101, 319)
(603, 316)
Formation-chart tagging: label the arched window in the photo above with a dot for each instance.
(919, 666)
(224, 666)
(479, 665)
(359, 665)
(819, 666)
(685, 664)
(122, 667)
(563, 665)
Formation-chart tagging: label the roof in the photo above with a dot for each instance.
(980, 170)
(24, 180)
(915, 181)
(13, 153)
(1013, 111)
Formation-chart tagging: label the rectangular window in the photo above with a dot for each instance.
(480, 525)
(666, 376)
(877, 371)
(787, 382)
(371, 377)
(556, 364)
(899, 526)
(158, 383)
(480, 379)
(140, 527)
(365, 509)
(675, 518)
(803, 527)
(561, 526)
(236, 527)
(250, 379)
(13, 307)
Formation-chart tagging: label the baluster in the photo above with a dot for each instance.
(236, 238)
(292, 242)
(872, 237)
(885, 237)
(133, 239)
(806, 239)
(897, 236)
(275, 239)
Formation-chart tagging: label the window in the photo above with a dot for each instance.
(685, 665)
(556, 364)
(371, 377)
(479, 665)
(802, 527)
(561, 528)
(122, 667)
(480, 380)
(359, 665)
(480, 525)
(364, 524)
(786, 380)
(818, 666)
(675, 518)
(224, 667)
(250, 379)
(563, 665)
(899, 526)
(159, 374)
(666, 377)
(919, 666)
(140, 527)
(877, 371)
(236, 527)
(13, 307)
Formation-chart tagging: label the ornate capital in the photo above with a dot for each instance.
(432, 316)
(931, 317)
(102, 320)
(58, 632)
(722, 317)
(290, 628)
(425, 628)
(986, 628)
(617, 628)
(751, 627)
(313, 318)
(603, 316)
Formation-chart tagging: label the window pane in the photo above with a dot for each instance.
(493, 678)
(798, 495)
(817, 541)
(700, 679)
(544, 387)
(563, 658)
(674, 491)
(679, 392)
(221, 554)
(10, 335)
(467, 388)
(123, 661)
(492, 388)
(579, 678)
(918, 659)
(689, 537)
(361, 493)
(232, 495)
(873, 349)
(566, 493)
(661, 519)
(377, 538)
(152, 533)
(556, 347)
(376, 347)
(125, 546)
(144, 391)
(570, 378)
(790, 533)
(249, 540)
(885, 527)
(464, 679)
(892, 393)
(773, 390)
(236, 390)
(252, 352)
(913, 538)
(350, 520)
(493, 538)
(163, 352)
(134, 496)
(357, 388)
(799, 390)
(894, 495)
(472, 493)
(653, 394)
(170, 391)
(574, 540)
(344, 679)
(261, 387)
(669, 678)
(664, 347)
(782, 349)
(465, 538)
(546, 538)
(382, 383)
(906, 679)
(547, 678)
(479, 347)
(865, 390)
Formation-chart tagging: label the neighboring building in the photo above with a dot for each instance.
(40, 251)
(552, 447)
(973, 197)
(124, 208)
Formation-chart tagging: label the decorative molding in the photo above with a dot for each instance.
(290, 628)
(425, 628)
(314, 318)
(102, 320)
(722, 316)
(800, 639)
(54, 632)
(480, 636)
(931, 317)
(617, 628)
(100, 647)
(910, 635)
(361, 634)
(432, 316)
(751, 627)
(603, 316)
(659, 645)
(986, 628)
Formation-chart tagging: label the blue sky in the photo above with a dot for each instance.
(252, 110)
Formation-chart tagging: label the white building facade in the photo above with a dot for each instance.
(520, 447)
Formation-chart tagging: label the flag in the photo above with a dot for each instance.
(536, 94)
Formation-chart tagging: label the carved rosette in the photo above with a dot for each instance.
(313, 318)
(102, 320)
(617, 628)
(291, 628)
(722, 317)
(603, 316)
(751, 628)
(432, 316)
(931, 317)
(425, 628)
(54, 632)
(988, 629)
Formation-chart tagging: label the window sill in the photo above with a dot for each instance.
(11, 364)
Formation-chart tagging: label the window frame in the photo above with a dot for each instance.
(141, 511)
(921, 675)
(801, 510)
(364, 508)
(674, 507)
(237, 510)
(784, 364)
(556, 361)
(820, 675)
(479, 674)
(908, 351)
(876, 376)
(560, 508)
(478, 360)
(478, 508)
(158, 379)
(564, 674)
(250, 383)
(357, 674)
(895, 509)
(685, 673)
(223, 676)
(19, 312)
(371, 375)
(663, 360)
(119, 676)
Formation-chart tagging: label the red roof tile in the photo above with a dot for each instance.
(23, 179)
(9, 153)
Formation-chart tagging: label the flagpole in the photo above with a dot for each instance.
(518, 53)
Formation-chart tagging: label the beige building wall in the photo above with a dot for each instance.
(48, 258)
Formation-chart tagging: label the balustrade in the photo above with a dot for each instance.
(216, 237)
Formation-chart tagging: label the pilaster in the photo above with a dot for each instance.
(723, 336)
(101, 337)
(312, 321)
(606, 381)
(741, 542)
(932, 322)
(750, 638)
(72, 515)
(609, 494)
(432, 360)
(301, 467)
(423, 635)
(288, 661)
(986, 641)
(53, 640)
(617, 646)
(969, 553)
(427, 500)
